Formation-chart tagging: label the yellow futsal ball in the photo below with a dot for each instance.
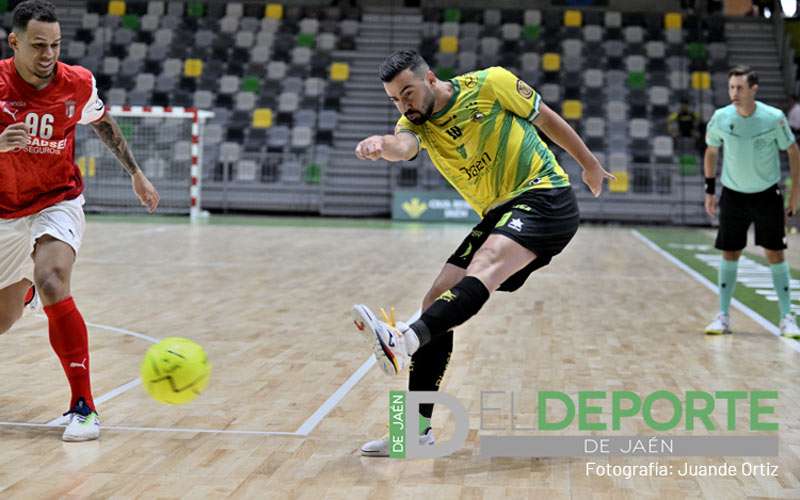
(175, 370)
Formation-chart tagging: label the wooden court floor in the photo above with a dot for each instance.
(270, 303)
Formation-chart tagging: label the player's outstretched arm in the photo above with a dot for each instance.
(562, 134)
(710, 173)
(399, 147)
(109, 132)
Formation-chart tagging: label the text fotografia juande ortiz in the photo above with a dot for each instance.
(685, 469)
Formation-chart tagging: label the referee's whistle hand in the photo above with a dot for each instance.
(711, 205)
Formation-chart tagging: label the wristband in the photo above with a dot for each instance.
(711, 185)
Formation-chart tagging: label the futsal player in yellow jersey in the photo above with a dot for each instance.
(480, 130)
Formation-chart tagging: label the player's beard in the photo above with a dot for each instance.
(419, 117)
(45, 76)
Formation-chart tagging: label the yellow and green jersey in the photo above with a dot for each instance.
(484, 143)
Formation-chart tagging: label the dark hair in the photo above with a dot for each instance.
(33, 10)
(400, 61)
(750, 73)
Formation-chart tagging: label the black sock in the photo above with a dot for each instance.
(452, 308)
(428, 365)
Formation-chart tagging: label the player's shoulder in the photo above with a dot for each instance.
(74, 73)
(723, 113)
(6, 65)
(769, 112)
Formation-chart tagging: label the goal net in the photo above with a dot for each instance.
(167, 145)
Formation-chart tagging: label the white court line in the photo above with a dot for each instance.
(160, 429)
(771, 328)
(312, 421)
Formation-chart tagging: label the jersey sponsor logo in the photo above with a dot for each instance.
(40, 132)
(524, 89)
(473, 171)
(454, 132)
(448, 121)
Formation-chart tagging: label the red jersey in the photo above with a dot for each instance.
(44, 172)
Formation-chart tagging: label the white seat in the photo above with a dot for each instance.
(633, 34)
(595, 127)
(245, 39)
(639, 128)
(655, 49)
(635, 63)
(234, 10)
(309, 26)
(532, 17)
(659, 96)
(245, 101)
(613, 19)
(229, 84)
(662, 146)
(593, 78)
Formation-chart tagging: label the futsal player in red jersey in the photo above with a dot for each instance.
(41, 205)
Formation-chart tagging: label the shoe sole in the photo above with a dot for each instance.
(363, 319)
(375, 454)
(718, 332)
(793, 337)
(79, 439)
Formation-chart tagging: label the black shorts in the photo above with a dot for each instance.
(541, 220)
(738, 210)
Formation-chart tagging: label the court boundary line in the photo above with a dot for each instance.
(159, 429)
(767, 325)
(311, 422)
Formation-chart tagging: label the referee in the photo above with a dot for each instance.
(751, 134)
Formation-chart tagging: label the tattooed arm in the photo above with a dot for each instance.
(109, 132)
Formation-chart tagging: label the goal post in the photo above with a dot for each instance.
(167, 143)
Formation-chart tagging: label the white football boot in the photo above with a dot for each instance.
(380, 447)
(393, 345)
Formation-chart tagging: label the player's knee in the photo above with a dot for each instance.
(8, 317)
(52, 282)
(485, 257)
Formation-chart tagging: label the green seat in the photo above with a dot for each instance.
(696, 51)
(195, 9)
(251, 83)
(531, 32)
(636, 80)
(452, 15)
(306, 40)
(131, 21)
(687, 165)
(127, 129)
(312, 174)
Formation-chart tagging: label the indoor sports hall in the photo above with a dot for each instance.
(596, 379)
